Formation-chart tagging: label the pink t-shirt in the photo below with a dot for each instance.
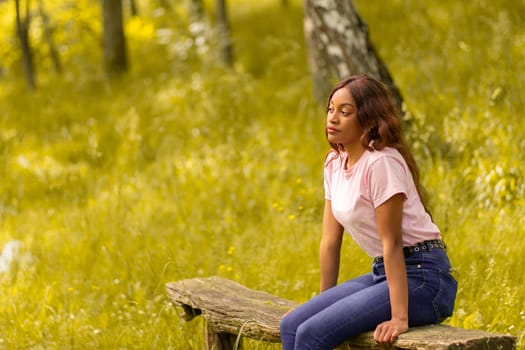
(356, 192)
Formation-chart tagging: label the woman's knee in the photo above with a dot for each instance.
(305, 334)
(288, 324)
(309, 336)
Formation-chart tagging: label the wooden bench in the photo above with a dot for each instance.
(232, 311)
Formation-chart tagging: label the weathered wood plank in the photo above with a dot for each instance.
(437, 337)
(221, 341)
(231, 309)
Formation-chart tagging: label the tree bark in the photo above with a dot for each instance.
(48, 34)
(339, 46)
(22, 32)
(223, 31)
(134, 11)
(115, 56)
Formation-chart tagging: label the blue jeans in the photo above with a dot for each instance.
(360, 304)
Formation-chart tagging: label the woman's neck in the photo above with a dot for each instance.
(353, 154)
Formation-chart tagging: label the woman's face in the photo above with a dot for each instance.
(342, 125)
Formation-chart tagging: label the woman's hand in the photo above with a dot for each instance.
(386, 333)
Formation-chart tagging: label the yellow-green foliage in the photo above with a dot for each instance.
(183, 168)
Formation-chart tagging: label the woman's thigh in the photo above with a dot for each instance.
(346, 318)
(324, 300)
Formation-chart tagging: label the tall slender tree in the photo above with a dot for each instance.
(223, 31)
(48, 35)
(338, 46)
(133, 9)
(114, 40)
(22, 32)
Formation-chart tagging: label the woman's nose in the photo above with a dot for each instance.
(332, 117)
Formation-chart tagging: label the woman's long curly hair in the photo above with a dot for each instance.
(380, 122)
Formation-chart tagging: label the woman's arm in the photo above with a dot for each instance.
(389, 217)
(330, 248)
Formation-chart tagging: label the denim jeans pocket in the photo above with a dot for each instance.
(444, 301)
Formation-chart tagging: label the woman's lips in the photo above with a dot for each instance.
(331, 130)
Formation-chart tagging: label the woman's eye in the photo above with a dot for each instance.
(345, 113)
(330, 109)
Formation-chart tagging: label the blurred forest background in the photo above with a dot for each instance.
(192, 155)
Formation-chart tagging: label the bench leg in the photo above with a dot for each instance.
(220, 341)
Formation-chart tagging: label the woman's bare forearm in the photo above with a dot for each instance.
(330, 249)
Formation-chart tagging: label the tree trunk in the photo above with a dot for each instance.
(134, 11)
(339, 46)
(196, 11)
(115, 57)
(223, 31)
(48, 34)
(22, 32)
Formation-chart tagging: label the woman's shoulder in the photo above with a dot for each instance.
(333, 159)
(385, 153)
(388, 156)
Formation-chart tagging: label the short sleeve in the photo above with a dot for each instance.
(387, 177)
(328, 174)
(327, 185)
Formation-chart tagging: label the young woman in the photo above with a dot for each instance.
(373, 192)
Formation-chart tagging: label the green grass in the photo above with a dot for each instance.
(184, 169)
